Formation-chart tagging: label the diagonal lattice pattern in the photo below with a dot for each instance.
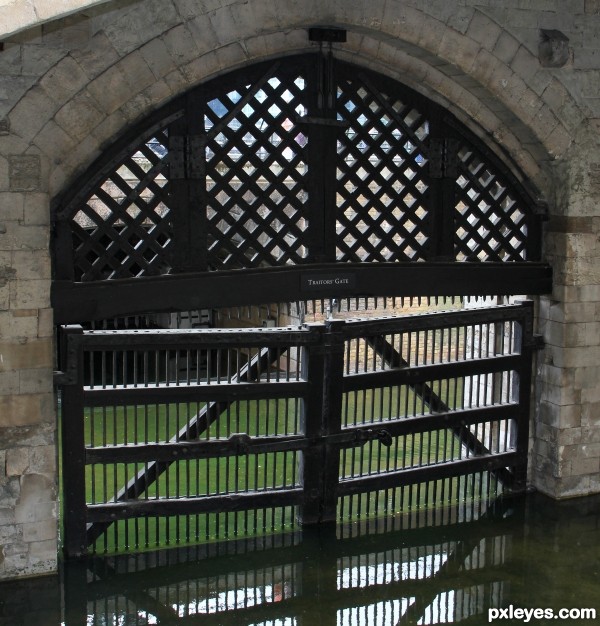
(238, 177)
(382, 186)
(123, 230)
(490, 223)
(256, 175)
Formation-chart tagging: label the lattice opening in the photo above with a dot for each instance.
(256, 173)
(490, 223)
(123, 229)
(382, 184)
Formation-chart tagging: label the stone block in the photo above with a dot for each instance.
(67, 32)
(136, 72)
(35, 380)
(64, 80)
(204, 35)
(26, 294)
(181, 45)
(9, 532)
(558, 142)
(9, 494)
(584, 466)
(32, 512)
(43, 460)
(203, 67)
(18, 237)
(77, 159)
(45, 323)
(506, 47)
(561, 396)
(431, 35)
(130, 27)
(55, 142)
(96, 55)
(17, 461)
(17, 328)
(233, 54)
(7, 515)
(591, 434)
(38, 59)
(152, 97)
(157, 57)
(40, 531)
(24, 172)
(32, 264)
(26, 410)
(569, 436)
(458, 49)
(585, 356)
(4, 296)
(591, 395)
(15, 549)
(43, 550)
(36, 489)
(592, 334)
(109, 128)
(31, 113)
(36, 209)
(11, 207)
(484, 30)
(271, 16)
(79, 116)
(34, 435)
(110, 89)
(460, 18)
(587, 377)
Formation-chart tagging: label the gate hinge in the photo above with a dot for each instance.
(443, 158)
(186, 154)
(61, 379)
(536, 342)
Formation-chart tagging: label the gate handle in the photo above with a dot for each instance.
(385, 438)
(369, 435)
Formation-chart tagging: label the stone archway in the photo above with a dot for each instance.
(100, 72)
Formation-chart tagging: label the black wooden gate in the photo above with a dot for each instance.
(178, 436)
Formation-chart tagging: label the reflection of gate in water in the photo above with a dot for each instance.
(180, 436)
(450, 572)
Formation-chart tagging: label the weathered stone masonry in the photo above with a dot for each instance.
(72, 80)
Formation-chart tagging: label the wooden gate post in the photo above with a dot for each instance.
(73, 443)
(321, 417)
(331, 416)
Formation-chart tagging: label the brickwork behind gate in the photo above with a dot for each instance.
(71, 86)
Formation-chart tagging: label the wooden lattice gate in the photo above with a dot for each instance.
(296, 180)
(178, 436)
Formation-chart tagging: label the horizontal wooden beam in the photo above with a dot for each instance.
(81, 302)
(414, 475)
(241, 444)
(113, 511)
(226, 393)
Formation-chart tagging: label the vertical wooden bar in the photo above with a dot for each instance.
(310, 460)
(73, 442)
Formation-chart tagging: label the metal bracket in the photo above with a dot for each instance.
(443, 158)
(536, 342)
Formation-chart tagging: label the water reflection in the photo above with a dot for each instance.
(445, 567)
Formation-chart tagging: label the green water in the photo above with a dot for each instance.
(452, 567)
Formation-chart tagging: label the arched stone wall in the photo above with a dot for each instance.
(69, 87)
